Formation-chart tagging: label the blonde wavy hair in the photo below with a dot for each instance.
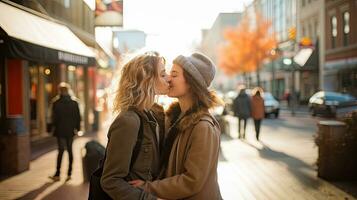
(137, 83)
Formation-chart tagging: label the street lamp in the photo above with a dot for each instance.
(287, 61)
(274, 53)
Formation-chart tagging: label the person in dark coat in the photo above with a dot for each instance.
(242, 110)
(65, 124)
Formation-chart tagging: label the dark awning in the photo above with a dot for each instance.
(27, 36)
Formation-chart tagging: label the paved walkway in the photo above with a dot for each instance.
(247, 169)
(281, 166)
(35, 184)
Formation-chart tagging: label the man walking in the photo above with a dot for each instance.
(66, 122)
(242, 110)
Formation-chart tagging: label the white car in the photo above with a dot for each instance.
(271, 105)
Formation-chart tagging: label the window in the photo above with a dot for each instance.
(310, 31)
(317, 29)
(67, 3)
(333, 31)
(346, 27)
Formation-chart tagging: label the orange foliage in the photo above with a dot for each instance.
(246, 46)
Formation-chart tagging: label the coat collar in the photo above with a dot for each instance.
(190, 119)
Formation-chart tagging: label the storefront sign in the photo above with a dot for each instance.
(67, 57)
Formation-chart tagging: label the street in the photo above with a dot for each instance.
(281, 166)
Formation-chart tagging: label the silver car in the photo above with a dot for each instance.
(271, 105)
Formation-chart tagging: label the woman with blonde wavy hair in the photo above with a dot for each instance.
(190, 155)
(135, 136)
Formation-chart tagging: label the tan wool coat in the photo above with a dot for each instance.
(257, 104)
(192, 167)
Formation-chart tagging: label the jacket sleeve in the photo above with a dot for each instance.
(201, 158)
(122, 139)
(78, 117)
(53, 116)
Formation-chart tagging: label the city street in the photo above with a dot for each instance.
(281, 166)
(66, 66)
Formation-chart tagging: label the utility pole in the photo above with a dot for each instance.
(292, 38)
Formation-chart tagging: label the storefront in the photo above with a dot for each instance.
(307, 60)
(36, 54)
(341, 75)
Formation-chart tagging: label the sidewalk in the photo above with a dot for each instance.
(281, 166)
(35, 184)
(277, 168)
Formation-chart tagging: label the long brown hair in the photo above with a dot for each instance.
(201, 96)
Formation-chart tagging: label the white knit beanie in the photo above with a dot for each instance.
(199, 66)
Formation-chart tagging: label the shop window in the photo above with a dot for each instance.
(75, 76)
(2, 90)
(67, 3)
(42, 88)
(346, 27)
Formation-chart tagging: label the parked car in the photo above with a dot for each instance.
(328, 103)
(228, 99)
(272, 106)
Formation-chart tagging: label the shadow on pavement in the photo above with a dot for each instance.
(283, 123)
(294, 165)
(33, 194)
(69, 191)
(348, 187)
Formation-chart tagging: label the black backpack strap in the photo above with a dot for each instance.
(139, 141)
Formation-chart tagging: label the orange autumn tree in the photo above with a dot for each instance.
(247, 46)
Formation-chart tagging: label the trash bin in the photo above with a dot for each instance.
(95, 125)
(14, 141)
(334, 155)
(94, 152)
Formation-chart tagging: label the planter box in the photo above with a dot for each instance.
(336, 158)
(15, 153)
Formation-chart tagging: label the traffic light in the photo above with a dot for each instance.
(292, 33)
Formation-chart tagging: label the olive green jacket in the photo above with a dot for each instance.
(122, 137)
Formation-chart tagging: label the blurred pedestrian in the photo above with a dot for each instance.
(136, 135)
(65, 124)
(190, 156)
(287, 97)
(242, 110)
(257, 109)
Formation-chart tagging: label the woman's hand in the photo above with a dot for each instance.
(137, 183)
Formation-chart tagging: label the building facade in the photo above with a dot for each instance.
(210, 44)
(126, 41)
(38, 52)
(276, 77)
(340, 69)
(310, 33)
